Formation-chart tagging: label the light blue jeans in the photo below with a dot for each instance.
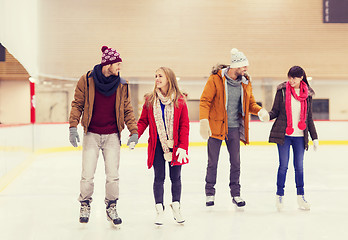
(297, 144)
(109, 144)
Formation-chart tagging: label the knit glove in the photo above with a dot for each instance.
(315, 144)
(182, 156)
(263, 115)
(204, 128)
(73, 136)
(132, 141)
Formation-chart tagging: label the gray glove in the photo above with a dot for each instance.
(73, 136)
(132, 141)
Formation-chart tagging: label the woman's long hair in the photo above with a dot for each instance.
(297, 71)
(172, 89)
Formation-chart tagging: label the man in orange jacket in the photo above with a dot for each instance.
(225, 104)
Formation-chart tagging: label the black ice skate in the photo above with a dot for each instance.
(238, 201)
(85, 210)
(111, 213)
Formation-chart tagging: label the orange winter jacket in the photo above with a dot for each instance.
(213, 106)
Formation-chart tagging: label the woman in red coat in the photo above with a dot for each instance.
(165, 112)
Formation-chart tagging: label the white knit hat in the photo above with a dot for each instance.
(238, 59)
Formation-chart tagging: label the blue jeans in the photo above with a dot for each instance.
(297, 144)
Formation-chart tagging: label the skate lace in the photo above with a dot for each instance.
(303, 199)
(112, 212)
(84, 211)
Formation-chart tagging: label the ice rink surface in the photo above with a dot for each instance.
(41, 203)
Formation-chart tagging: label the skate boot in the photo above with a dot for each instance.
(209, 201)
(85, 211)
(302, 203)
(111, 213)
(160, 214)
(238, 201)
(176, 212)
(279, 202)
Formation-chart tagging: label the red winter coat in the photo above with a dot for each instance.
(180, 134)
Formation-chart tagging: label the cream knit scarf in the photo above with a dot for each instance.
(165, 132)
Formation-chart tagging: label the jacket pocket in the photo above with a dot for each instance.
(216, 127)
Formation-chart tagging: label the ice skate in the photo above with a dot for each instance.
(85, 210)
(176, 212)
(302, 203)
(160, 214)
(238, 201)
(210, 201)
(111, 213)
(279, 202)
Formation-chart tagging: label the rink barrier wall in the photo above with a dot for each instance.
(20, 144)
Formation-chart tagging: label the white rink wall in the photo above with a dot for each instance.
(18, 142)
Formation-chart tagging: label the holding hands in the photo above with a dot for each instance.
(132, 141)
(263, 115)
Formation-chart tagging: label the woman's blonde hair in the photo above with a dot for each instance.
(173, 88)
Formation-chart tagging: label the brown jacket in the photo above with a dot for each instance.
(213, 107)
(84, 100)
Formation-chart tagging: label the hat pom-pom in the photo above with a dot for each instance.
(302, 125)
(104, 48)
(289, 130)
(234, 51)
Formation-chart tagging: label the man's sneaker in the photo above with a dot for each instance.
(279, 202)
(302, 203)
(85, 210)
(209, 201)
(111, 213)
(238, 201)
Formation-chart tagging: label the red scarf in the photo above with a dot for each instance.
(302, 98)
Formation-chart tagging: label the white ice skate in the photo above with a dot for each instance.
(302, 203)
(176, 212)
(238, 201)
(279, 202)
(160, 214)
(209, 201)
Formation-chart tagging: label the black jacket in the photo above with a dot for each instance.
(278, 111)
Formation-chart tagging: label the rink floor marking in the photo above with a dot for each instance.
(9, 177)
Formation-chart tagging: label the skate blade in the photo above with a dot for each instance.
(304, 209)
(239, 209)
(115, 226)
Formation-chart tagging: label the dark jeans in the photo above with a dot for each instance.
(297, 144)
(159, 166)
(233, 147)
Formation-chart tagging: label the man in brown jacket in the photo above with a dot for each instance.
(102, 98)
(225, 104)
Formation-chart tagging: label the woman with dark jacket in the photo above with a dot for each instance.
(292, 108)
(165, 112)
